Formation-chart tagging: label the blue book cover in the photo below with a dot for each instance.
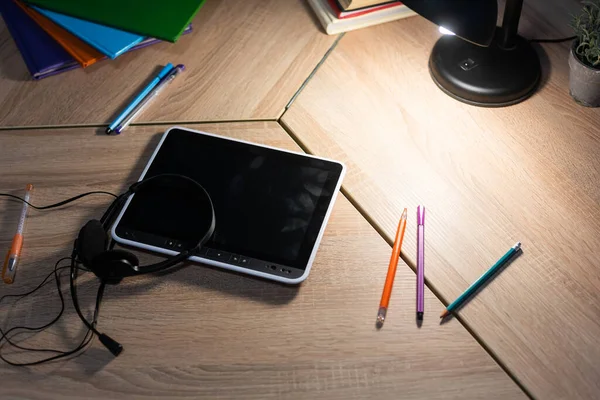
(110, 41)
(42, 55)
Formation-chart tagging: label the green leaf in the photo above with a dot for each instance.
(586, 27)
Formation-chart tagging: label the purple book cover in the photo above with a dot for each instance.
(42, 55)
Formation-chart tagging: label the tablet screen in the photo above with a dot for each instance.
(269, 204)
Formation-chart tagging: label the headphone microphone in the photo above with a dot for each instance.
(112, 345)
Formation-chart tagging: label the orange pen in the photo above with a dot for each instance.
(389, 280)
(12, 258)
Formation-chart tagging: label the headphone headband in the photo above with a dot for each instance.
(120, 267)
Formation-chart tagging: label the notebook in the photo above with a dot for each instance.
(42, 55)
(340, 13)
(110, 41)
(81, 51)
(160, 19)
(334, 25)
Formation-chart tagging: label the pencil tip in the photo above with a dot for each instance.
(445, 314)
(380, 317)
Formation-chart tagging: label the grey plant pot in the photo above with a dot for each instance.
(584, 82)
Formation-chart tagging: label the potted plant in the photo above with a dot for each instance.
(584, 58)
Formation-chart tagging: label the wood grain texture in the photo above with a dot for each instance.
(206, 333)
(489, 178)
(245, 60)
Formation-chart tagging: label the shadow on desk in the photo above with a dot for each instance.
(68, 331)
(238, 284)
(545, 63)
(207, 278)
(14, 70)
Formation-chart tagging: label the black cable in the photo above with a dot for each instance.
(73, 289)
(116, 204)
(112, 345)
(54, 272)
(5, 339)
(60, 353)
(40, 328)
(60, 203)
(559, 40)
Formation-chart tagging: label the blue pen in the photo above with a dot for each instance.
(166, 81)
(139, 98)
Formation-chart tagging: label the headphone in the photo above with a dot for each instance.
(94, 249)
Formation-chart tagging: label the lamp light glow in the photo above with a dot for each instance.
(445, 31)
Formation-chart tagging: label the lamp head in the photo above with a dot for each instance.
(471, 20)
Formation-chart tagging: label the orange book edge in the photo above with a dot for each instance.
(81, 51)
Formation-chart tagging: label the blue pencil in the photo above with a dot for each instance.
(482, 280)
(139, 98)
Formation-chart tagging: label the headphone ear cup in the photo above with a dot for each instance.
(91, 242)
(113, 265)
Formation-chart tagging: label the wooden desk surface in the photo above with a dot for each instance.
(245, 60)
(202, 332)
(489, 178)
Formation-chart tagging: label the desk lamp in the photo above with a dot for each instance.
(477, 62)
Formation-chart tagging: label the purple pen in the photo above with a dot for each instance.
(420, 262)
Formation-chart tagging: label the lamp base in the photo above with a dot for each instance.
(485, 76)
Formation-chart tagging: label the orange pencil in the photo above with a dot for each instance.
(14, 253)
(389, 280)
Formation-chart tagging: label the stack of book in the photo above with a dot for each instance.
(55, 36)
(338, 16)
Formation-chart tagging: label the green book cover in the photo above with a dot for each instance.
(161, 19)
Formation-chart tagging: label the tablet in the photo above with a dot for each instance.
(271, 205)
